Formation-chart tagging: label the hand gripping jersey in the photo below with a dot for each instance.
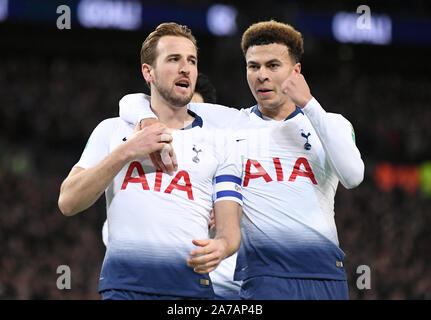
(290, 173)
(153, 217)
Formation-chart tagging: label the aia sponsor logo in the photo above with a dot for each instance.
(260, 172)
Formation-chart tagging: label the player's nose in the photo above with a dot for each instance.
(184, 67)
(262, 74)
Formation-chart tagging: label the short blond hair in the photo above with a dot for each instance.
(148, 49)
(267, 32)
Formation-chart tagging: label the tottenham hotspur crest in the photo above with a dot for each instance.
(196, 157)
(307, 145)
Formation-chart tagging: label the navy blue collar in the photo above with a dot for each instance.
(196, 123)
(294, 113)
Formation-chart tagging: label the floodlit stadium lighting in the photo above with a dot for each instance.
(345, 29)
(3, 10)
(221, 20)
(124, 15)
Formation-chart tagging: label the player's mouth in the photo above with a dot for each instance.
(182, 83)
(264, 91)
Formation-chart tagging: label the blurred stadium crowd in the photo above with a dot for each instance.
(51, 103)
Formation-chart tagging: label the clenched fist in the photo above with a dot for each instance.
(297, 89)
(153, 138)
(165, 159)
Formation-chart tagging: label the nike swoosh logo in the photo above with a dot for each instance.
(238, 140)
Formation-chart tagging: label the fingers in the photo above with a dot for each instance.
(212, 220)
(166, 159)
(201, 243)
(206, 267)
(157, 161)
(205, 258)
(137, 128)
(163, 157)
(205, 263)
(148, 122)
(166, 137)
(202, 260)
(174, 159)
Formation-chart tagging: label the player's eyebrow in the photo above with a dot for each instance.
(273, 61)
(192, 56)
(173, 55)
(178, 55)
(253, 63)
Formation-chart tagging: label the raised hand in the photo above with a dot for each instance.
(148, 140)
(165, 159)
(297, 89)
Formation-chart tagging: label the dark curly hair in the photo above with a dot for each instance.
(267, 32)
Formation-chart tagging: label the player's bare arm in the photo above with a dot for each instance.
(226, 242)
(83, 187)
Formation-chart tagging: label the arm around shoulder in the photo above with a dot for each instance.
(135, 107)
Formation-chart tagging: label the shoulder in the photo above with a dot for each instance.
(111, 123)
(216, 115)
(133, 98)
(109, 126)
(211, 108)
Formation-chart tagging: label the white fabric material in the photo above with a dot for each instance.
(289, 190)
(154, 216)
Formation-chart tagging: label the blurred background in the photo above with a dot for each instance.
(57, 83)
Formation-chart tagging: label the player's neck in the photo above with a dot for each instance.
(173, 117)
(278, 113)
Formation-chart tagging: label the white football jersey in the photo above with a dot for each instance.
(290, 173)
(153, 217)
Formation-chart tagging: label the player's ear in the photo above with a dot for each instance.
(297, 68)
(146, 72)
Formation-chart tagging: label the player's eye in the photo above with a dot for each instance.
(253, 67)
(173, 59)
(273, 65)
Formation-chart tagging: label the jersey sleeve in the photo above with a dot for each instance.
(135, 107)
(338, 140)
(97, 147)
(227, 183)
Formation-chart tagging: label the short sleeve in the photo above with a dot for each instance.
(227, 182)
(97, 147)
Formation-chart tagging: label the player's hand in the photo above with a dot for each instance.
(211, 225)
(164, 160)
(297, 89)
(150, 139)
(206, 258)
